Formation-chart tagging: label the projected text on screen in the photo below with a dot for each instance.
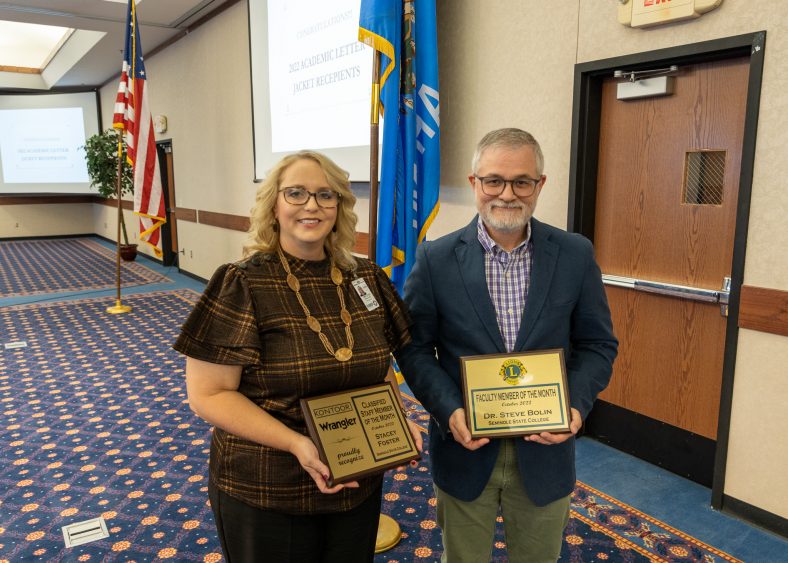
(320, 75)
(43, 146)
(42, 136)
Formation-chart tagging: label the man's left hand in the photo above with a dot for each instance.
(415, 432)
(551, 438)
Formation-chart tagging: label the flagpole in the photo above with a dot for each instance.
(389, 531)
(373, 156)
(118, 308)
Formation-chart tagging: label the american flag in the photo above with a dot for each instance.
(132, 115)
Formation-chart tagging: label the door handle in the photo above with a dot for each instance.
(721, 296)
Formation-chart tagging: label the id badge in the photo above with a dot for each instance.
(366, 295)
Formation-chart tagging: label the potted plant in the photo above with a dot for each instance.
(101, 153)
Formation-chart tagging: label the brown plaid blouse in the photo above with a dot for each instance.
(248, 316)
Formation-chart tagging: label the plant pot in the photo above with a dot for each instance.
(128, 252)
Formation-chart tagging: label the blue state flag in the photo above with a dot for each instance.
(406, 35)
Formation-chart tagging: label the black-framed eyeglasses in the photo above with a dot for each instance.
(495, 185)
(296, 195)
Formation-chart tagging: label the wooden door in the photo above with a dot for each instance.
(667, 192)
(169, 242)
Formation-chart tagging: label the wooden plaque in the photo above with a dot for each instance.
(359, 432)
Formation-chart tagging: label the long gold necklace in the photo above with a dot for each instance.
(342, 354)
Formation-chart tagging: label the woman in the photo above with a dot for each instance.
(284, 323)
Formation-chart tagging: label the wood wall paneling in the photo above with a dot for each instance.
(186, 214)
(212, 218)
(763, 309)
(38, 200)
(112, 202)
(362, 244)
(223, 220)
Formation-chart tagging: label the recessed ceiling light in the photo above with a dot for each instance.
(28, 45)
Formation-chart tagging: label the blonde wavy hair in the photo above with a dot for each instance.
(263, 228)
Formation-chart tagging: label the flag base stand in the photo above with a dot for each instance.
(389, 534)
(118, 308)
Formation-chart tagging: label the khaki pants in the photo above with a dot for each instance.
(533, 534)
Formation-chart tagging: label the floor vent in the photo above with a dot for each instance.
(85, 532)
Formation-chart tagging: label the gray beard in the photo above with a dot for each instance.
(507, 224)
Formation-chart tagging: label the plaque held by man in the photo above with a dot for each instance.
(516, 394)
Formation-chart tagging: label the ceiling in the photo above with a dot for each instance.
(93, 54)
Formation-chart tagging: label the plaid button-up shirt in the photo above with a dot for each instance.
(508, 277)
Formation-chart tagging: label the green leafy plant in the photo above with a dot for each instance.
(101, 153)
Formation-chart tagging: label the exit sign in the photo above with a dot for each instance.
(644, 13)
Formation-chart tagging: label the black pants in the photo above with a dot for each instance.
(250, 534)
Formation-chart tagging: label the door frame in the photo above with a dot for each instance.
(584, 157)
(168, 229)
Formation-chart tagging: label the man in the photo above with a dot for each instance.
(505, 283)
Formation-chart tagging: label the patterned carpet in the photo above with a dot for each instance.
(95, 423)
(32, 267)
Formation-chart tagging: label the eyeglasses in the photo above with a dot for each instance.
(495, 185)
(295, 195)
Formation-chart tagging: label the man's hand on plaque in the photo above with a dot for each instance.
(418, 441)
(550, 438)
(415, 431)
(459, 429)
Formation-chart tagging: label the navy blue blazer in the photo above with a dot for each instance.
(453, 316)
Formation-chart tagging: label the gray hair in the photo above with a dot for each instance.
(511, 138)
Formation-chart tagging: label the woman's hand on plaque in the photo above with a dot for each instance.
(306, 453)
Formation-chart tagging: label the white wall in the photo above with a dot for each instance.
(505, 63)
(105, 224)
(45, 220)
